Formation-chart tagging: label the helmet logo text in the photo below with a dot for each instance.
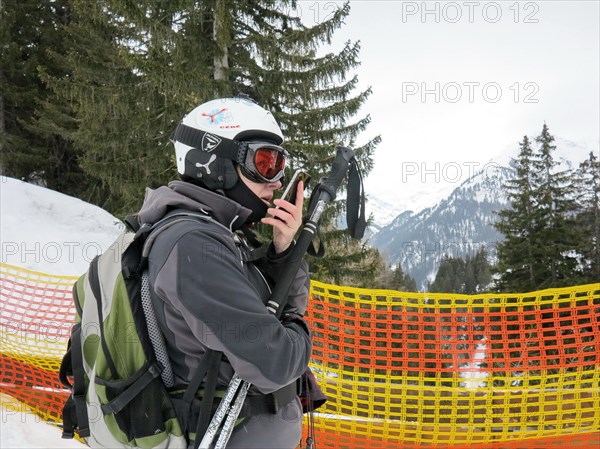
(210, 142)
(207, 165)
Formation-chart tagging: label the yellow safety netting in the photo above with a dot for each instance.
(400, 369)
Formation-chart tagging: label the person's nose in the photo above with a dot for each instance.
(276, 185)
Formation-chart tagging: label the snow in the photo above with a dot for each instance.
(21, 429)
(52, 232)
(46, 231)
(383, 212)
(473, 369)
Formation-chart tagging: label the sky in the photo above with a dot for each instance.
(457, 83)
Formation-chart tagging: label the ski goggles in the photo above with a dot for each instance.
(264, 162)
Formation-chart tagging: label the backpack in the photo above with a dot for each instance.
(118, 394)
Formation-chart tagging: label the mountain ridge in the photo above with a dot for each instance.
(461, 222)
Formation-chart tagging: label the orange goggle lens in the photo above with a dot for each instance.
(265, 162)
(269, 163)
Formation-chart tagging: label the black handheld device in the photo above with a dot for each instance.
(289, 194)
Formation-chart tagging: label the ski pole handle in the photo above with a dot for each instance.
(332, 182)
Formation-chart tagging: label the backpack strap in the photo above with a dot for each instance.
(154, 334)
(132, 222)
(138, 382)
(149, 234)
(74, 413)
(213, 360)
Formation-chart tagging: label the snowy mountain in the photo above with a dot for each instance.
(457, 225)
(462, 222)
(382, 213)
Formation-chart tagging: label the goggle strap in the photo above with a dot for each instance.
(223, 147)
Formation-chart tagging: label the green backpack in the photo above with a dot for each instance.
(119, 370)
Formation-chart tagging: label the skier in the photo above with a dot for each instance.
(209, 280)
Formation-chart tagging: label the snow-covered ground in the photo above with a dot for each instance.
(46, 231)
(20, 429)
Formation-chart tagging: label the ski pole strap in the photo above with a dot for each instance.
(355, 202)
(355, 195)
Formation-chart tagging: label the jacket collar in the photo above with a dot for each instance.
(184, 195)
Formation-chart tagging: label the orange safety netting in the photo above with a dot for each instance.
(400, 370)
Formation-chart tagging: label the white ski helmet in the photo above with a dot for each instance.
(217, 134)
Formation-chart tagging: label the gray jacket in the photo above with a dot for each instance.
(207, 296)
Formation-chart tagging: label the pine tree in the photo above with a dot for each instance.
(555, 209)
(467, 276)
(449, 277)
(394, 279)
(517, 252)
(401, 281)
(347, 265)
(588, 218)
(32, 148)
(138, 66)
(539, 249)
(135, 73)
(482, 272)
(269, 53)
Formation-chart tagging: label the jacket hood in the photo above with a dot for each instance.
(183, 195)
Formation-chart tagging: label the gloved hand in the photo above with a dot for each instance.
(290, 316)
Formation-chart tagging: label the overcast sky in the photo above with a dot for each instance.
(459, 82)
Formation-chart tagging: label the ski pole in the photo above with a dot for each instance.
(232, 416)
(326, 192)
(221, 412)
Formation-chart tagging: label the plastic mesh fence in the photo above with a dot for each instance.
(36, 313)
(400, 369)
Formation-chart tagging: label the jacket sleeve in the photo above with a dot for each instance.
(300, 289)
(204, 278)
